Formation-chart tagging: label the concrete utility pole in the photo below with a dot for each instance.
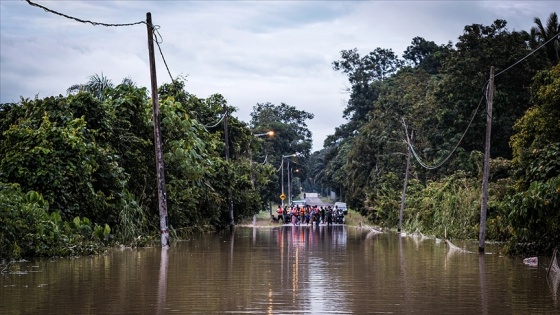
(162, 196)
(486, 171)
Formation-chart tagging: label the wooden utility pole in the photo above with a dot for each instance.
(405, 181)
(226, 139)
(162, 197)
(486, 171)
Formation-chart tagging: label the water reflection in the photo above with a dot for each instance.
(311, 269)
(162, 285)
(283, 270)
(482, 275)
(404, 275)
(553, 280)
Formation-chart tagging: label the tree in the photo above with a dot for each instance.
(426, 54)
(464, 74)
(534, 208)
(55, 150)
(536, 145)
(97, 85)
(291, 136)
(363, 73)
(541, 34)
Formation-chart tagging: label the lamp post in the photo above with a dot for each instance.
(270, 134)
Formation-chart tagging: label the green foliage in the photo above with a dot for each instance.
(447, 208)
(465, 73)
(27, 230)
(535, 145)
(543, 33)
(436, 95)
(291, 135)
(384, 201)
(534, 205)
(132, 228)
(535, 216)
(52, 151)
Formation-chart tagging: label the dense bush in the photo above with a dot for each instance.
(27, 230)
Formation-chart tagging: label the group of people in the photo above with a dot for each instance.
(297, 214)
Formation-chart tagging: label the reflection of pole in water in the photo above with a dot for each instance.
(483, 292)
(295, 270)
(282, 235)
(254, 235)
(231, 242)
(404, 277)
(553, 280)
(162, 285)
(553, 276)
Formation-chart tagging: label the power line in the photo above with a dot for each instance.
(156, 35)
(216, 124)
(80, 20)
(555, 37)
(433, 167)
(158, 39)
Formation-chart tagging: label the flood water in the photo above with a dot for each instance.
(285, 270)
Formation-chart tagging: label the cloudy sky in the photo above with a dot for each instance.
(248, 51)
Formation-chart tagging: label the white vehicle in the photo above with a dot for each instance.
(298, 203)
(341, 206)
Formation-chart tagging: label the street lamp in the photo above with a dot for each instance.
(268, 133)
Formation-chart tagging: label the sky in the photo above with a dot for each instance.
(248, 51)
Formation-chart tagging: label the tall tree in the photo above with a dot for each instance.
(541, 34)
(362, 73)
(97, 85)
(291, 136)
(465, 73)
(534, 209)
(426, 54)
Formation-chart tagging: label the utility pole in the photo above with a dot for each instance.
(289, 185)
(226, 139)
(162, 196)
(282, 169)
(486, 171)
(405, 181)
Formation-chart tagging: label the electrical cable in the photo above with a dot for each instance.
(527, 56)
(158, 39)
(157, 34)
(432, 167)
(216, 124)
(80, 20)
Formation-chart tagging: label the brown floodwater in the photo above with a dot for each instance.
(285, 270)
